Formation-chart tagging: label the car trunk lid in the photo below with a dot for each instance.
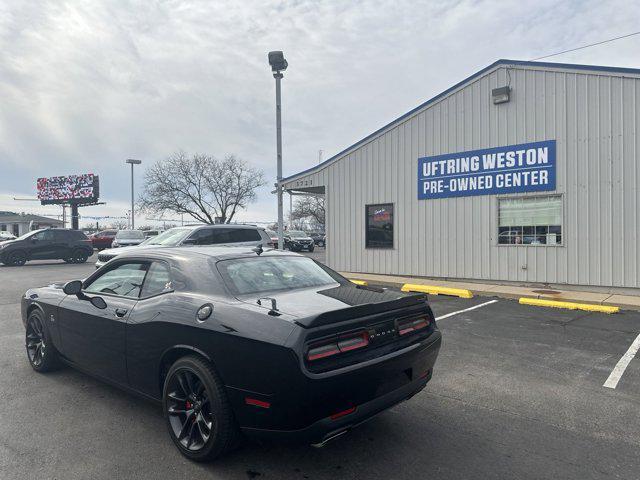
(315, 307)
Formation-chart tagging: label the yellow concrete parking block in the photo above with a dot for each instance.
(436, 290)
(359, 282)
(570, 305)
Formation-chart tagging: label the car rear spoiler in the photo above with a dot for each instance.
(403, 300)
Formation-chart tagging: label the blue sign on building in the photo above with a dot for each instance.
(528, 167)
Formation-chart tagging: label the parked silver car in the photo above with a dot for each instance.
(237, 235)
(128, 238)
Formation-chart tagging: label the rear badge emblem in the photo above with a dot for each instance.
(385, 331)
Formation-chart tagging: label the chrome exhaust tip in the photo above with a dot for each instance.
(329, 438)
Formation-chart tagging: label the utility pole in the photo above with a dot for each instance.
(290, 211)
(133, 162)
(278, 64)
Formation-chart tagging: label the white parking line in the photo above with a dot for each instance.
(442, 317)
(622, 364)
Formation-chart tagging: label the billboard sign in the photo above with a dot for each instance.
(68, 189)
(527, 167)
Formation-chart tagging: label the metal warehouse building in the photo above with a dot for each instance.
(523, 172)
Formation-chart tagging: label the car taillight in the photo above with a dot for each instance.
(334, 346)
(322, 351)
(412, 324)
(353, 342)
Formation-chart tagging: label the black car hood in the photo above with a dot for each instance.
(321, 306)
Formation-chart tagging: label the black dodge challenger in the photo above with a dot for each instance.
(234, 341)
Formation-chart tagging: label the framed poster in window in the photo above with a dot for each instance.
(379, 225)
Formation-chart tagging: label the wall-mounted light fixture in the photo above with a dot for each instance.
(500, 95)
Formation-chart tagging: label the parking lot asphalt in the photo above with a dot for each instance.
(517, 393)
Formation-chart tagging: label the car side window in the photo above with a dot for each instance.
(125, 280)
(244, 235)
(158, 280)
(222, 235)
(59, 235)
(203, 236)
(45, 235)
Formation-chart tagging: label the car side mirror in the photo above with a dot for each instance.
(189, 241)
(74, 287)
(98, 302)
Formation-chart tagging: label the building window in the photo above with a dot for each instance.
(530, 221)
(379, 226)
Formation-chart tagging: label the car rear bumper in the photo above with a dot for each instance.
(337, 423)
(329, 428)
(300, 247)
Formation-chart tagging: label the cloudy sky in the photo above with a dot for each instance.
(86, 84)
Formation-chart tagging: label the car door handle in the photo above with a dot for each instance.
(121, 312)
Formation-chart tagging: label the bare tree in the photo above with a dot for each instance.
(310, 208)
(118, 224)
(200, 186)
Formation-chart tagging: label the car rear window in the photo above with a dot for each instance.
(77, 235)
(246, 276)
(131, 234)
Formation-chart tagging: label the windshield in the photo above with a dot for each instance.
(130, 234)
(271, 233)
(171, 237)
(266, 274)
(297, 234)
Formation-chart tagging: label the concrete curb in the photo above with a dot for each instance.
(568, 305)
(436, 287)
(435, 290)
(430, 289)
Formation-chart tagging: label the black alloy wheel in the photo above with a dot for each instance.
(77, 256)
(197, 411)
(17, 259)
(42, 356)
(80, 256)
(189, 410)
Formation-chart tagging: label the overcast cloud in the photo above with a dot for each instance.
(86, 84)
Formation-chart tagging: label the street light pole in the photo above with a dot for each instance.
(278, 64)
(278, 76)
(133, 162)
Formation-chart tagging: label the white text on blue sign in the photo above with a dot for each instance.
(528, 167)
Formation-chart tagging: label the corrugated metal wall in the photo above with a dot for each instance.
(595, 119)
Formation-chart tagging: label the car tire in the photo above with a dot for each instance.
(43, 356)
(186, 411)
(78, 256)
(311, 249)
(17, 259)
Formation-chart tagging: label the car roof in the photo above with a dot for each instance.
(215, 252)
(217, 225)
